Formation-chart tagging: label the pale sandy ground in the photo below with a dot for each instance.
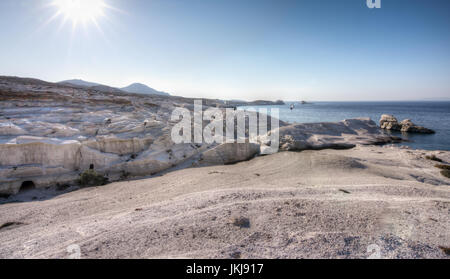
(311, 204)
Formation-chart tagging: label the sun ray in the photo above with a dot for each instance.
(79, 14)
(79, 11)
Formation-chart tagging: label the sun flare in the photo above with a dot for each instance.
(80, 11)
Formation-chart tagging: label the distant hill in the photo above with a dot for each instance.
(104, 88)
(91, 85)
(133, 88)
(79, 82)
(143, 89)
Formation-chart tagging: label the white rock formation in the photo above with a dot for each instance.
(339, 135)
(9, 129)
(51, 133)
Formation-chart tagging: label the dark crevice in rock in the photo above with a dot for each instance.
(27, 186)
(11, 225)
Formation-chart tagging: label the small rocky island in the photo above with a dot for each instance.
(389, 122)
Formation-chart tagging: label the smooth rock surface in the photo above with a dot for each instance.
(339, 135)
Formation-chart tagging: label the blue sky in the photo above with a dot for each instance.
(240, 49)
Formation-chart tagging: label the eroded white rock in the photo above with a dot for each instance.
(9, 129)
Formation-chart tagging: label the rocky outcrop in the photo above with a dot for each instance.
(9, 129)
(51, 133)
(50, 162)
(297, 137)
(409, 127)
(338, 135)
(389, 122)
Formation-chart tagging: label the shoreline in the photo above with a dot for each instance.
(427, 114)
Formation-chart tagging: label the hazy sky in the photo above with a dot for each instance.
(243, 49)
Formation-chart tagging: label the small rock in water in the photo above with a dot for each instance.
(389, 122)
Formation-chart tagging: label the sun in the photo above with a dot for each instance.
(80, 11)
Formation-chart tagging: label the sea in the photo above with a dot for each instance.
(431, 114)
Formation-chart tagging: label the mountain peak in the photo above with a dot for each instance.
(132, 88)
(143, 89)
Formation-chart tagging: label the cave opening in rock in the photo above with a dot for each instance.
(27, 186)
(91, 167)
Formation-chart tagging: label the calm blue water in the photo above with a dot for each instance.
(433, 115)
